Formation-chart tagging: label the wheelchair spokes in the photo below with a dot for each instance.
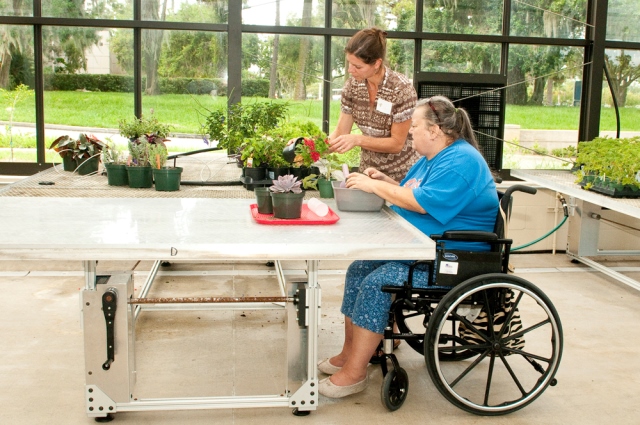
(500, 372)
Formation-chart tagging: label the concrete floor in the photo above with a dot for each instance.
(236, 353)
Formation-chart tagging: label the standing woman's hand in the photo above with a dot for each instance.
(343, 143)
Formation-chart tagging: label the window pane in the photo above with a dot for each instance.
(358, 14)
(541, 18)
(183, 74)
(96, 9)
(285, 67)
(17, 141)
(463, 17)
(13, 8)
(624, 70)
(212, 12)
(622, 20)
(307, 13)
(543, 108)
(87, 82)
(464, 57)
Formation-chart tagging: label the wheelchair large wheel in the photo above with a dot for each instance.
(516, 351)
(410, 321)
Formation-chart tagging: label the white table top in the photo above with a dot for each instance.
(38, 228)
(564, 182)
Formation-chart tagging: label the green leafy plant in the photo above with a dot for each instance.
(285, 184)
(14, 97)
(157, 155)
(254, 151)
(231, 127)
(609, 162)
(137, 127)
(113, 154)
(84, 147)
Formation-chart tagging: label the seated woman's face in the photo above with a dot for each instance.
(421, 131)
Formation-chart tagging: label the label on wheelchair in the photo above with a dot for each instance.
(448, 267)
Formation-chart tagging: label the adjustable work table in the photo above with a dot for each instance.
(586, 212)
(191, 229)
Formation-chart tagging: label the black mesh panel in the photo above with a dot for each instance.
(485, 105)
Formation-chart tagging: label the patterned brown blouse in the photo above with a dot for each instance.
(394, 102)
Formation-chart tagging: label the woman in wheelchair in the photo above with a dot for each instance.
(449, 188)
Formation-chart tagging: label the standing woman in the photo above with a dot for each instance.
(380, 102)
(449, 188)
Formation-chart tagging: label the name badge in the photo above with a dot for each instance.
(384, 106)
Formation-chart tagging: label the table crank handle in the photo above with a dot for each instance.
(109, 304)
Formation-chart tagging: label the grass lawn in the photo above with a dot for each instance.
(568, 118)
(187, 113)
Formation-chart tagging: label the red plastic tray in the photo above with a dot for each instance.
(307, 217)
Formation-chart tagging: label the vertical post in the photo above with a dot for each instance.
(137, 60)
(593, 72)
(39, 84)
(234, 65)
(326, 72)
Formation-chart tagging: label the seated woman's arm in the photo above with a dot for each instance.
(373, 181)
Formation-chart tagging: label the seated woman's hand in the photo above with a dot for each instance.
(360, 181)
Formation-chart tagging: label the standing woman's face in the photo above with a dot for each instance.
(360, 70)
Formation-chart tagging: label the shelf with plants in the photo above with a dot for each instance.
(610, 166)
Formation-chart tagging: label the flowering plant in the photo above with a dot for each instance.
(311, 150)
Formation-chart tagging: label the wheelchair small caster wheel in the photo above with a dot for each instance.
(553, 382)
(107, 418)
(395, 386)
(297, 412)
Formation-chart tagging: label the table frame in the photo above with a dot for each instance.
(585, 212)
(194, 230)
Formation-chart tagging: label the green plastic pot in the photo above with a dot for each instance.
(325, 188)
(117, 174)
(287, 205)
(68, 163)
(263, 198)
(167, 179)
(140, 177)
(88, 166)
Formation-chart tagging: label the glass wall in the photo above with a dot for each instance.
(293, 13)
(17, 111)
(463, 17)
(195, 56)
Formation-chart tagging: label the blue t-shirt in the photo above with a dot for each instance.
(457, 191)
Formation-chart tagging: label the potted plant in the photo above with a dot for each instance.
(610, 166)
(85, 152)
(253, 158)
(139, 171)
(277, 165)
(166, 179)
(263, 199)
(65, 146)
(231, 126)
(114, 161)
(138, 127)
(287, 197)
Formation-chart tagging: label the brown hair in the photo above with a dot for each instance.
(368, 45)
(454, 122)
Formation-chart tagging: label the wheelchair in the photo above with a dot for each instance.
(492, 342)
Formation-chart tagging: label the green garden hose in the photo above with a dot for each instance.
(550, 232)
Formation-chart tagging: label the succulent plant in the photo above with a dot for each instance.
(286, 183)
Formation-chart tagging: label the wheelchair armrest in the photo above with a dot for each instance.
(466, 236)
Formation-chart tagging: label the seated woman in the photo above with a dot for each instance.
(449, 188)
